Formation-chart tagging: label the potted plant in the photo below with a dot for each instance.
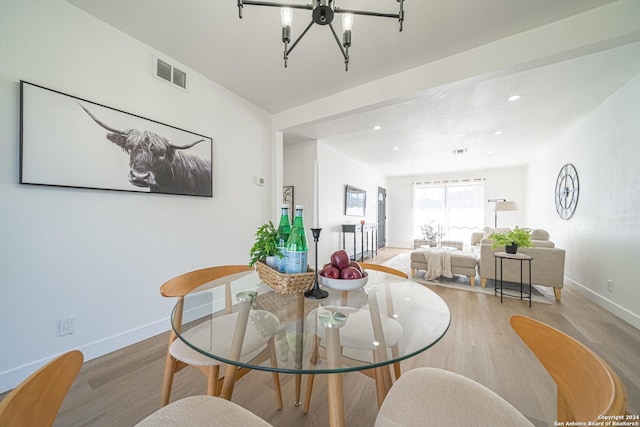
(265, 247)
(512, 239)
(429, 235)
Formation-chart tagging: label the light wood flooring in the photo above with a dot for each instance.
(121, 388)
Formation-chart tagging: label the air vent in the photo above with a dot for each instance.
(459, 151)
(164, 70)
(169, 74)
(180, 78)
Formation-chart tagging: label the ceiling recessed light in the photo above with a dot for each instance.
(498, 132)
(377, 127)
(514, 97)
(396, 148)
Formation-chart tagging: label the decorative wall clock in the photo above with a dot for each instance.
(567, 191)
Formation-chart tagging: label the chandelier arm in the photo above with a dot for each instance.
(338, 41)
(366, 13)
(269, 4)
(299, 37)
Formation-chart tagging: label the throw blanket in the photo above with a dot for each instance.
(438, 263)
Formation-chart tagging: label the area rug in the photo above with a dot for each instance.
(402, 262)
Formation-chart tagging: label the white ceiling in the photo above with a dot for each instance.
(245, 56)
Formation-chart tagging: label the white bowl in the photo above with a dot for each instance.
(344, 284)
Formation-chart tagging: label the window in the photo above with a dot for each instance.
(456, 209)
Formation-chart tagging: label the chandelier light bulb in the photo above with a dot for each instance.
(347, 21)
(286, 15)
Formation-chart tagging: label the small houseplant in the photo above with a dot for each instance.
(512, 239)
(428, 231)
(264, 248)
(429, 234)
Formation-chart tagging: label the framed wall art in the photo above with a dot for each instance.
(355, 201)
(67, 141)
(287, 198)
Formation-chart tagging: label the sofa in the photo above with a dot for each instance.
(547, 267)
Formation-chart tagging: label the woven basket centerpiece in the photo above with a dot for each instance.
(285, 283)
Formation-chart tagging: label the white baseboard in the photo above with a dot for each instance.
(621, 312)
(11, 378)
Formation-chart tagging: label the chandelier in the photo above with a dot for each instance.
(322, 13)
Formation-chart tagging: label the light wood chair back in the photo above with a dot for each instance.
(37, 400)
(179, 287)
(383, 268)
(587, 386)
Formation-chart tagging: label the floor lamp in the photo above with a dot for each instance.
(501, 206)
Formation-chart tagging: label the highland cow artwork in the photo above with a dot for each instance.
(71, 142)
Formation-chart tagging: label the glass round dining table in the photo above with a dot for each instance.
(388, 320)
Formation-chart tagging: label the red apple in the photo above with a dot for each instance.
(356, 266)
(350, 273)
(330, 272)
(340, 259)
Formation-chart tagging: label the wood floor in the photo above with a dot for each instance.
(121, 388)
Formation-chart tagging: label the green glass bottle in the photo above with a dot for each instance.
(296, 252)
(284, 230)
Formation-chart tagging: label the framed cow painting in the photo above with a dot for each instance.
(68, 141)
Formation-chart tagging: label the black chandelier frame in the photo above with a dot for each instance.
(322, 14)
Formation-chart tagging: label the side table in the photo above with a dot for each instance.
(516, 257)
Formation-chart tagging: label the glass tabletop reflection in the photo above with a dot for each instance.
(388, 320)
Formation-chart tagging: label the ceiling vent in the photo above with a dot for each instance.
(459, 151)
(169, 74)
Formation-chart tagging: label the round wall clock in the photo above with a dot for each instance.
(567, 190)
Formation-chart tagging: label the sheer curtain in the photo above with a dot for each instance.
(454, 208)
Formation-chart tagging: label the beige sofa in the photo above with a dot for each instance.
(547, 267)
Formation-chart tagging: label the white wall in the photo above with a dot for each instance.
(602, 238)
(335, 172)
(298, 169)
(102, 255)
(507, 183)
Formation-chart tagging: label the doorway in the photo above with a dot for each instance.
(382, 217)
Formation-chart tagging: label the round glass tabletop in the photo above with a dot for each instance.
(388, 320)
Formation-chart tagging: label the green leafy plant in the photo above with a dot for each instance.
(265, 244)
(520, 236)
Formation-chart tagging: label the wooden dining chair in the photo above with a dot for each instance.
(392, 330)
(202, 411)
(587, 386)
(180, 355)
(37, 400)
(435, 397)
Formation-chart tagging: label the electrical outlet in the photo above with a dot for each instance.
(67, 325)
(610, 285)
